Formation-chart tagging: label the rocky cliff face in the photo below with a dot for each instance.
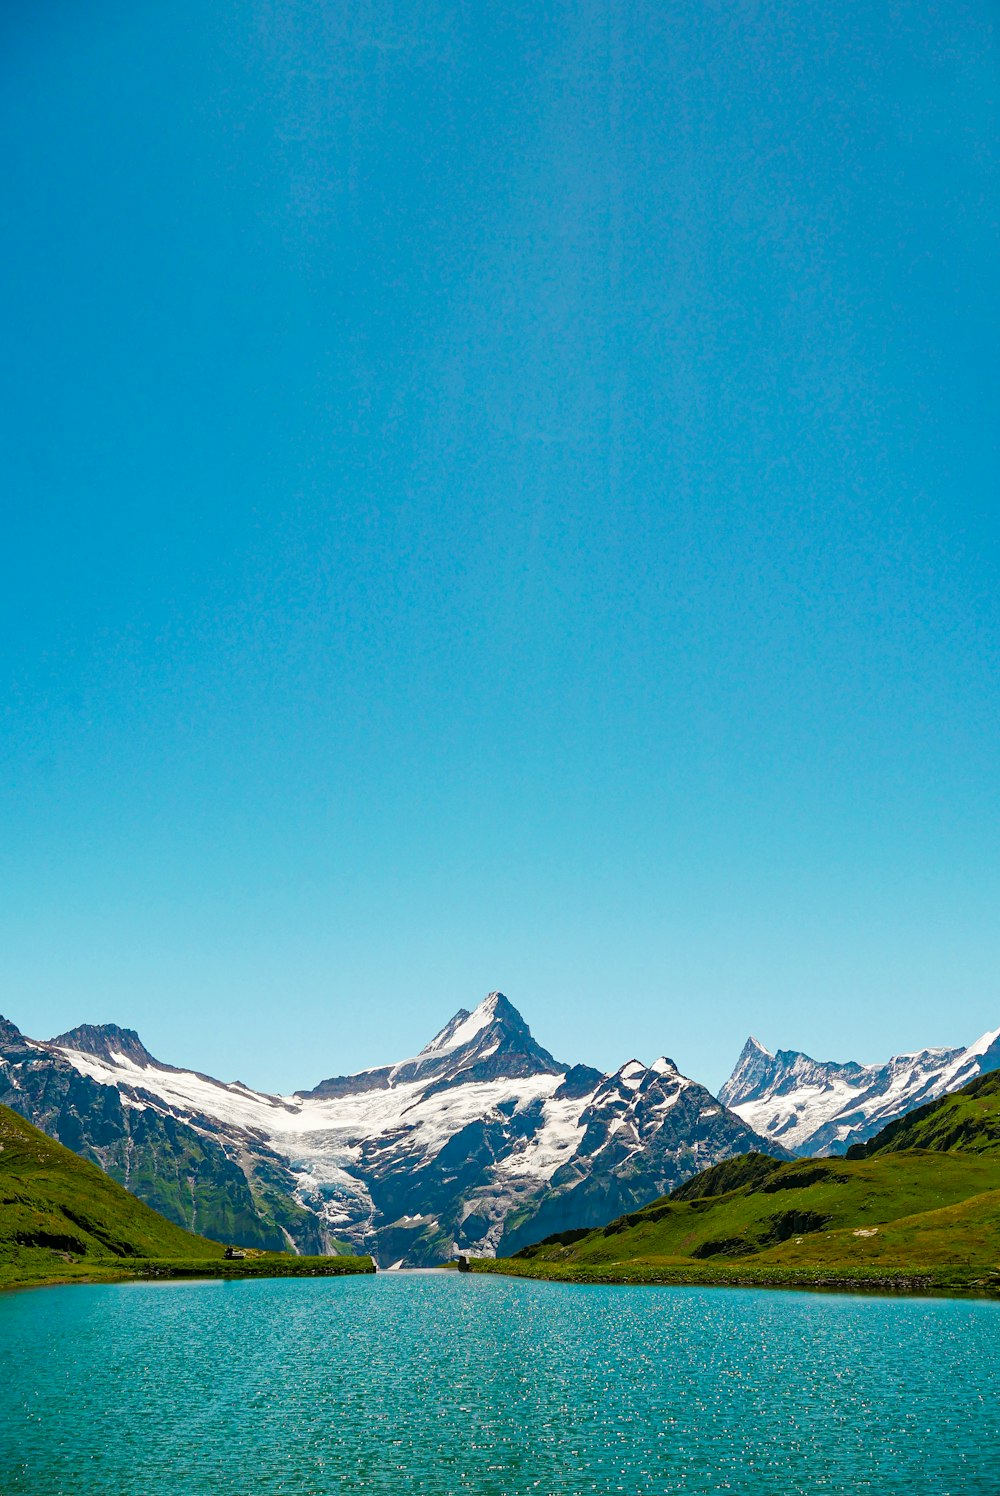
(824, 1107)
(481, 1141)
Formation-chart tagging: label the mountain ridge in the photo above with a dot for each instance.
(64, 1219)
(481, 1138)
(827, 1106)
(493, 1039)
(104, 1041)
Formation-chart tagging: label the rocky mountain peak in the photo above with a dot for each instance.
(825, 1106)
(756, 1069)
(9, 1032)
(491, 1041)
(106, 1041)
(495, 1014)
(502, 1010)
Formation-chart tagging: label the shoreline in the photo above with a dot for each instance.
(915, 1284)
(155, 1270)
(911, 1285)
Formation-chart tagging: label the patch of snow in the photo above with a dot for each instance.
(632, 1073)
(555, 1141)
(465, 1032)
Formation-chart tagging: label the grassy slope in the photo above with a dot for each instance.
(917, 1207)
(62, 1218)
(967, 1120)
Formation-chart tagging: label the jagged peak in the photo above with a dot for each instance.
(491, 1040)
(634, 1071)
(501, 1008)
(443, 1040)
(756, 1066)
(754, 1046)
(630, 1075)
(495, 1010)
(106, 1041)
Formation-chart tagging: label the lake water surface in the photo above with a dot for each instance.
(444, 1384)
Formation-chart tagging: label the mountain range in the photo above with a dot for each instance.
(62, 1219)
(825, 1107)
(482, 1142)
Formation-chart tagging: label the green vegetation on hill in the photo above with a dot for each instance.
(968, 1120)
(62, 1218)
(916, 1208)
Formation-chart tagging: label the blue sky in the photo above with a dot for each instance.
(499, 497)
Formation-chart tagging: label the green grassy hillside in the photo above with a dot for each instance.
(62, 1218)
(967, 1120)
(918, 1207)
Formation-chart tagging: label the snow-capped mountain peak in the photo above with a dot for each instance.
(106, 1041)
(456, 1032)
(463, 1028)
(480, 1139)
(824, 1106)
(631, 1073)
(492, 1041)
(986, 1045)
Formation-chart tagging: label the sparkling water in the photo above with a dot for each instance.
(435, 1383)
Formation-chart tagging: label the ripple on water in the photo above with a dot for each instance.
(497, 1387)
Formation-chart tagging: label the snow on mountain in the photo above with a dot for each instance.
(481, 1140)
(463, 1028)
(822, 1107)
(109, 1042)
(490, 1042)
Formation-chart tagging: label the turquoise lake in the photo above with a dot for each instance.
(444, 1384)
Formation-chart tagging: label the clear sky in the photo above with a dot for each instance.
(500, 496)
